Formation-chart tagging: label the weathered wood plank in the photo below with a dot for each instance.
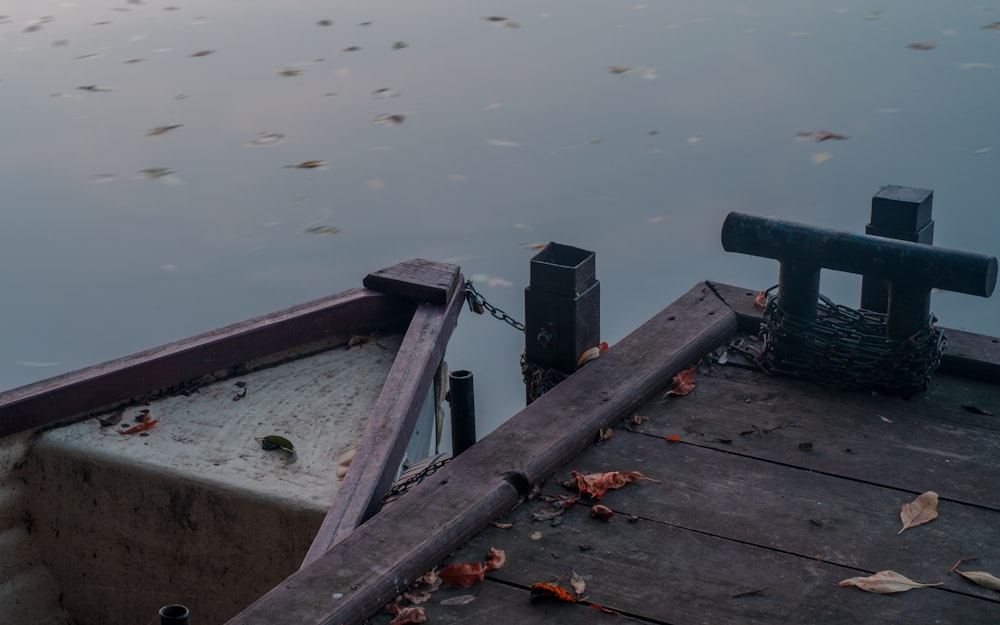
(382, 555)
(395, 414)
(913, 445)
(100, 387)
(422, 280)
(779, 507)
(678, 576)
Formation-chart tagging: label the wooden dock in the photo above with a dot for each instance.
(769, 492)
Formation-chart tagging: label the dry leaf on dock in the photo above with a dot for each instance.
(981, 578)
(919, 511)
(885, 582)
(596, 485)
(683, 383)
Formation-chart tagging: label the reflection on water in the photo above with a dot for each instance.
(134, 212)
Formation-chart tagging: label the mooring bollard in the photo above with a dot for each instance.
(902, 213)
(462, 399)
(174, 615)
(911, 269)
(562, 314)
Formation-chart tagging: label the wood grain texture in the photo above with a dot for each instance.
(422, 280)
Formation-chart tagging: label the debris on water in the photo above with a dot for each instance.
(983, 149)
(968, 66)
(619, 69)
(820, 135)
(322, 230)
(922, 45)
(265, 139)
(386, 119)
(102, 178)
(162, 130)
(94, 89)
(289, 73)
(308, 165)
(201, 53)
(324, 23)
(154, 173)
(820, 157)
(350, 49)
(399, 45)
(503, 144)
(993, 26)
(875, 16)
(384, 92)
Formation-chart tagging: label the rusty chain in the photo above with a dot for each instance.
(477, 304)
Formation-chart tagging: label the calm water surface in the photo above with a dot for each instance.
(630, 129)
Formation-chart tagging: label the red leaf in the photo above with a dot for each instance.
(673, 438)
(683, 383)
(409, 615)
(142, 427)
(601, 512)
(462, 575)
(596, 485)
(495, 559)
(604, 609)
(550, 591)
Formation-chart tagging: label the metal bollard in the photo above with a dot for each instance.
(462, 397)
(174, 614)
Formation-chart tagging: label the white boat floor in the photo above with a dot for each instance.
(320, 403)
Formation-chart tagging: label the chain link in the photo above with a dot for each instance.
(478, 304)
(845, 348)
(413, 476)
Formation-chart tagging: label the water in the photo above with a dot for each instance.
(624, 128)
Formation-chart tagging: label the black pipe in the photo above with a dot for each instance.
(174, 615)
(462, 397)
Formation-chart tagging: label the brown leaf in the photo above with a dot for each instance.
(495, 559)
(596, 485)
(919, 511)
(459, 600)
(922, 45)
(981, 578)
(604, 435)
(409, 615)
(683, 383)
(761, 300)
(502, 525)
(462, 575)
(421, 596)
(203, 53)
(601, 512)
(308, 165)
(885, 582)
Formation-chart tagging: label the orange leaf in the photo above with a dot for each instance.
(462, 575)
(142, 427)
(409, 615)
(601, 512)
(550, 591)
(761, 300)
(596, 485)
(683, 383)
(495, 559)
(604, 609)
(673, 438)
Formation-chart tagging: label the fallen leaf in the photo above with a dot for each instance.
(638, 419)
(993, 26)
(462, 575)
(495, 18)
(386, 119)
(411, 614)
(618, 69)
(536, 535)
(597, 606)
(266, 138)
(162, 130)
(322, 230)
(922, 45)
(550, 591)
(111, 418)
(577, 582)
(273, 441)
(308, 165)
(421, 596)
(976, 409)
(604, 435)
(203, 53)
(503, 526)
(761, 300)
(919, 511)
(459, 600)
(351, 49)
(361, 339)
(885, 582)
(156, 172)
(821, 135)
(344, 462)
(596, 485)
(144, 425)
(673, 438)
(981, 578)
(289, 72)
(399, 45)
(683, 383)
(495, 559)
(601, 512)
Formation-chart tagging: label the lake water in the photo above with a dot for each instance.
(146, 151)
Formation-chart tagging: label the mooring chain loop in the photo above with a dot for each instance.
(405, 484)
(478, 304)
(844, 348)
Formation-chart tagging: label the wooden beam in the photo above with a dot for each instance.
(357, 576)
(394, 416)
(89, 390)
(422, 280)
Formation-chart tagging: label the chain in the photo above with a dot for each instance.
(845, 348)
(416, 475)
(478, 304)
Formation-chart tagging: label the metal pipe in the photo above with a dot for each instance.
(174, 614)
(462, 397)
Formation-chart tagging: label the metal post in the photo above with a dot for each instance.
(902, 213)
(562, 308)
(174, 615)
(462, 397)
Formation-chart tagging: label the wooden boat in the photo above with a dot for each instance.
(178, 503)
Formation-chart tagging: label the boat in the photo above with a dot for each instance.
(200, 473)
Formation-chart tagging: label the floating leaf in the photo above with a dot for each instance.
(993, 26)
(683, 383)
(162, 130)
(273, 441)
(386, 119)
(981, 578)
(156, 172)
(922, 45)
(323, 230)
(324, 22)
(596, 485)
(308, 165)
(399, 45)
(919, 511)
(885, 582)
(201, 53)
(618, 69)
(265, 139)
(289, 73)
(495, 18)
(821, 135)
(462, 575)
(350, 49)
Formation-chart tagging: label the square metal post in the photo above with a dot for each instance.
(562, 307)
